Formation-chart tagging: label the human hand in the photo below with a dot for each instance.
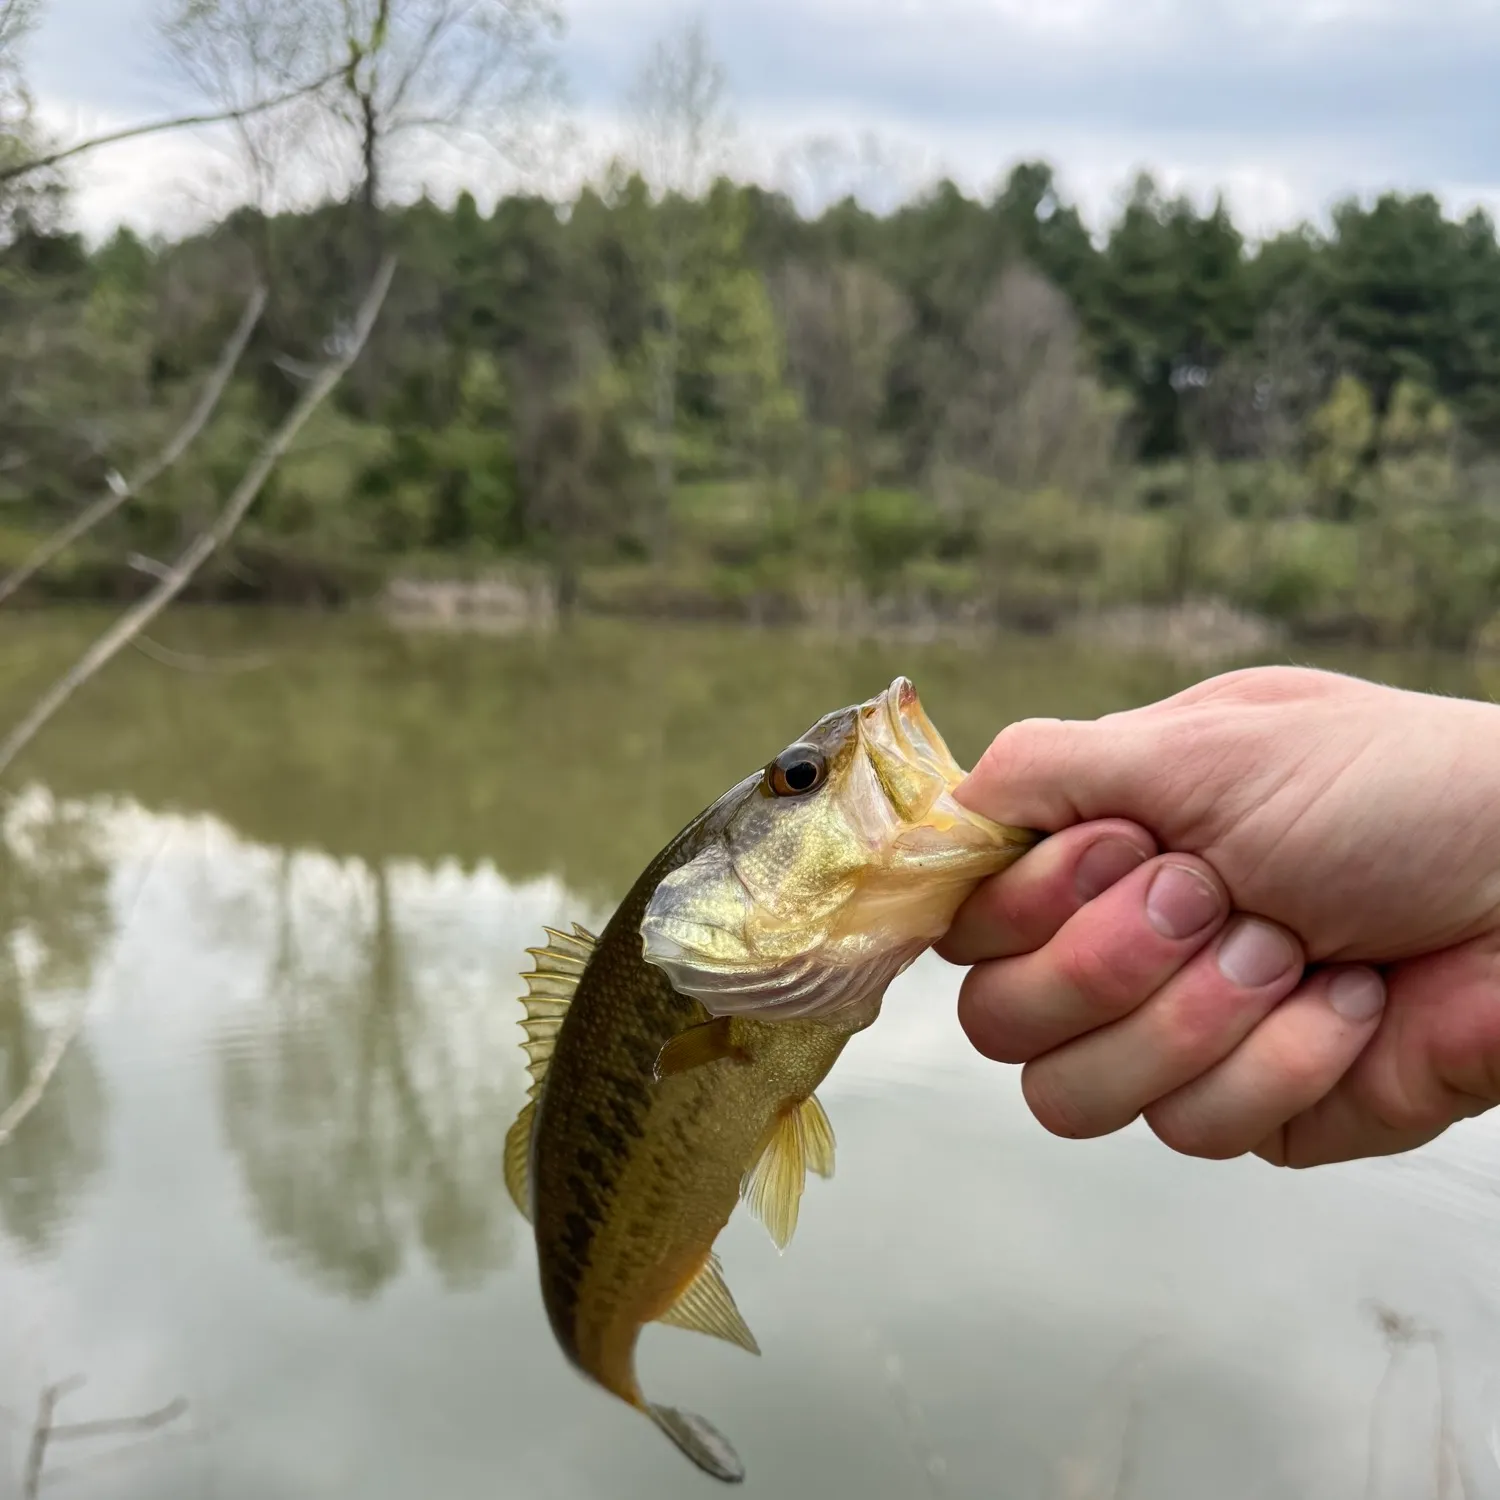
(1311, 969)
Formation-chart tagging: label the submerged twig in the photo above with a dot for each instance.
(29, 1097)
(120, 1426)
(119, 490)
(41, 1434)
(188, 661)
(207, 542)
(1401, 1332)
(1100, 1466)
(48, 1430)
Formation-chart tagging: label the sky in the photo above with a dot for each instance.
(1284, 105)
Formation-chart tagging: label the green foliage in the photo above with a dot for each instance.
(963, 400)
(1340, 437)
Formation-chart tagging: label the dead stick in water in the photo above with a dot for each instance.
(41, 1434)
(29, 1097)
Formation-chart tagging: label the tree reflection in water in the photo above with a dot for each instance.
(359, 1105)
(55, 918)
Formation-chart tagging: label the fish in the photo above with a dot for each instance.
(675, 1056)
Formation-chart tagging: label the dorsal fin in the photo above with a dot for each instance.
(549, 991)
(707, 1307)
(772, 1188)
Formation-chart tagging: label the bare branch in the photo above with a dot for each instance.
(17, 19)
(118, 493)
(120, 1426)
(185, 661)
(158, 127)
(679, 112)
(208, 542)
(41, 1076)
(47, 1431)
(41, 1434)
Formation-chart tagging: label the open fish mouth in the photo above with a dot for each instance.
(913, 732)
(809, 901)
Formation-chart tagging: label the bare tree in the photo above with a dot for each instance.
(680, 126)
(680, 135)
(18, 19)
(402, 69)
(235, 53)
(842, 324)
(825, 169)
(20, 204)
(1029, 412)
(1258, 402)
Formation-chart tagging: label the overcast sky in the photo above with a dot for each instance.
(1285, 104)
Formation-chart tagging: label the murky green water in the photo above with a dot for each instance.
(291, 884)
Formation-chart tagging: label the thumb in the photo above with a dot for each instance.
(1049, 774)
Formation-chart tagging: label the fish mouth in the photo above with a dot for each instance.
(899, 712)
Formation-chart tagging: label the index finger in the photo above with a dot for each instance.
(1024, 907)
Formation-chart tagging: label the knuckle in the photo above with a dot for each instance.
(1018, 750)
(1200, 1019)
(1097, 977)
(1271, 684)
(1302, 1073)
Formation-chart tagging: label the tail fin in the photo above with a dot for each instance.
(701, 1441)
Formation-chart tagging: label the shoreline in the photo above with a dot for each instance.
(520, 599)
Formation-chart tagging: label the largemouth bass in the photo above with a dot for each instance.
(674, 1058)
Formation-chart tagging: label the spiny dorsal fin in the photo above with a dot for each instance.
(707, 1307)
(549, 991)
(772, 1188)
(518, 1159)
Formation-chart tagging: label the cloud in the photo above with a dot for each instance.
(1287, 104)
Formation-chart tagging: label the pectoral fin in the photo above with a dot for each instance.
(817, 1137)
(699, 1045)
(707, 1307)
(772, 1188)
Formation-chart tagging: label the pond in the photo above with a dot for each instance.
(285, 869)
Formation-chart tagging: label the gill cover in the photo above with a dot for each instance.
(807, 904)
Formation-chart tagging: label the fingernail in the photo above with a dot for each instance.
(1109, 860)
(1254, 953)
(1357, 994)
(1181, 902)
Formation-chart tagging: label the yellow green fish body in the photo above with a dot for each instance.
(675, 1059)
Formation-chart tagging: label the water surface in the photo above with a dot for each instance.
(290, 877)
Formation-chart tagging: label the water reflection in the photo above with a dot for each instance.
(356, 1101)
(55, 919)
(306, 1035)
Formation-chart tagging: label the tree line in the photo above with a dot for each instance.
(674, 385)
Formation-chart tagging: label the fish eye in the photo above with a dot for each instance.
(799, 769)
